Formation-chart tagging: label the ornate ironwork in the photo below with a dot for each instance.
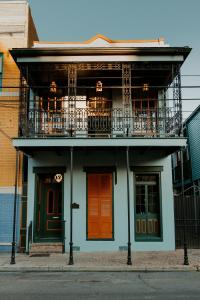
(98, 122)
(151, 66)
(24, 97)
(99, 66)
(72, 83)
(126, 95)
(177, 99)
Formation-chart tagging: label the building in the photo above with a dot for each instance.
(187, 208)
(16, 30)
(99, 130)
(191, 154)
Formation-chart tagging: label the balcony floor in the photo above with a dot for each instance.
(169, 145)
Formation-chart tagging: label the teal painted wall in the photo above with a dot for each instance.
(193, 127)
(111, 158)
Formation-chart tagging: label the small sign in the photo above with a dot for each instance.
(58, 177)
(75, 205)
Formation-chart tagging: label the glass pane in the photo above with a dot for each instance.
(140, 199)
(146, 177)
(153, 198)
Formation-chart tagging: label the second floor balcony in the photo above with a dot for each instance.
(94, 123)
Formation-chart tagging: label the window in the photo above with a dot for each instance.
(147, 206)
(1, 71)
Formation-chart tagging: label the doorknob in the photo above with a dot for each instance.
(55, 217)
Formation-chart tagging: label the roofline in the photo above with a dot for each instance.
(104, 38)
(197, 109)
(13, 1)
(34, 52)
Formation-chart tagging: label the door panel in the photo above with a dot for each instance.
(100, 206)
(49, 208)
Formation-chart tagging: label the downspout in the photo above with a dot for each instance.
(71, 259)
(129, 261)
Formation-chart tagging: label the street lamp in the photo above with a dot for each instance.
(12, 261)
(186, 261)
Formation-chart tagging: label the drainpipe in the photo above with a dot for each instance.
(186, 261)
(12, 261)
(71, 259)
(129, 261)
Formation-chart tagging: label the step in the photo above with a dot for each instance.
(45, 248)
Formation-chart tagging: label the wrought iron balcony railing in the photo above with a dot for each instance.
(85, 122)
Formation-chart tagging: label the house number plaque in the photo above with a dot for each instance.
(58, 178)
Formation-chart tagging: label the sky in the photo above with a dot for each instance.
(178, 21)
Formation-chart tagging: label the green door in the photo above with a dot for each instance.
(49, 208)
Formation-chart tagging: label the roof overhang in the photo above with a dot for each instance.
(26, 55)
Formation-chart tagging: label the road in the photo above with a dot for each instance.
(101, 285)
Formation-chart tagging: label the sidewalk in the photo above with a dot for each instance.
(103, 261)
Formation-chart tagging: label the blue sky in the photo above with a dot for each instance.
(178, 21)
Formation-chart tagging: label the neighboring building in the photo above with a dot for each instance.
(187, 208)
(191, 156)
(95, 123)
(16, 30)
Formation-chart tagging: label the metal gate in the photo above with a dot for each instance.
(191, 206)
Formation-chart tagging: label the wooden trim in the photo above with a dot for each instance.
(103, 37)
(49, 170)
(100, 169)
(145, 169)
(54, 221)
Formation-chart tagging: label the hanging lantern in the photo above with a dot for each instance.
(99, 86)
(53, 87)
(145, 87)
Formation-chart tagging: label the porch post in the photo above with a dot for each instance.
(71, 259)
(126, 97)
(12, 261)
(186, 261)
(129, 261)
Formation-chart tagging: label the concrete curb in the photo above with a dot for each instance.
(16, 268)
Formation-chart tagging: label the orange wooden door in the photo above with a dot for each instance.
(100, 214)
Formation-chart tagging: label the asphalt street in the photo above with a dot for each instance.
(100, 285)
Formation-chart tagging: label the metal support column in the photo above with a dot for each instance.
(12, 261)
(186, 261)
(24, 100)
(72, 83)
(126, 96)
(129, 261)
(177, 100)
(71, 259)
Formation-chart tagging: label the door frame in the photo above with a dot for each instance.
(47, 170)
(100, 170)
(155, 171)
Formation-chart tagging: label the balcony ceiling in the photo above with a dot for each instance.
(42, 74)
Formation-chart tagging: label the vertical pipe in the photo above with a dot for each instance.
(186, 261)
(71, 259)
(12, 261)
(129, 261)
